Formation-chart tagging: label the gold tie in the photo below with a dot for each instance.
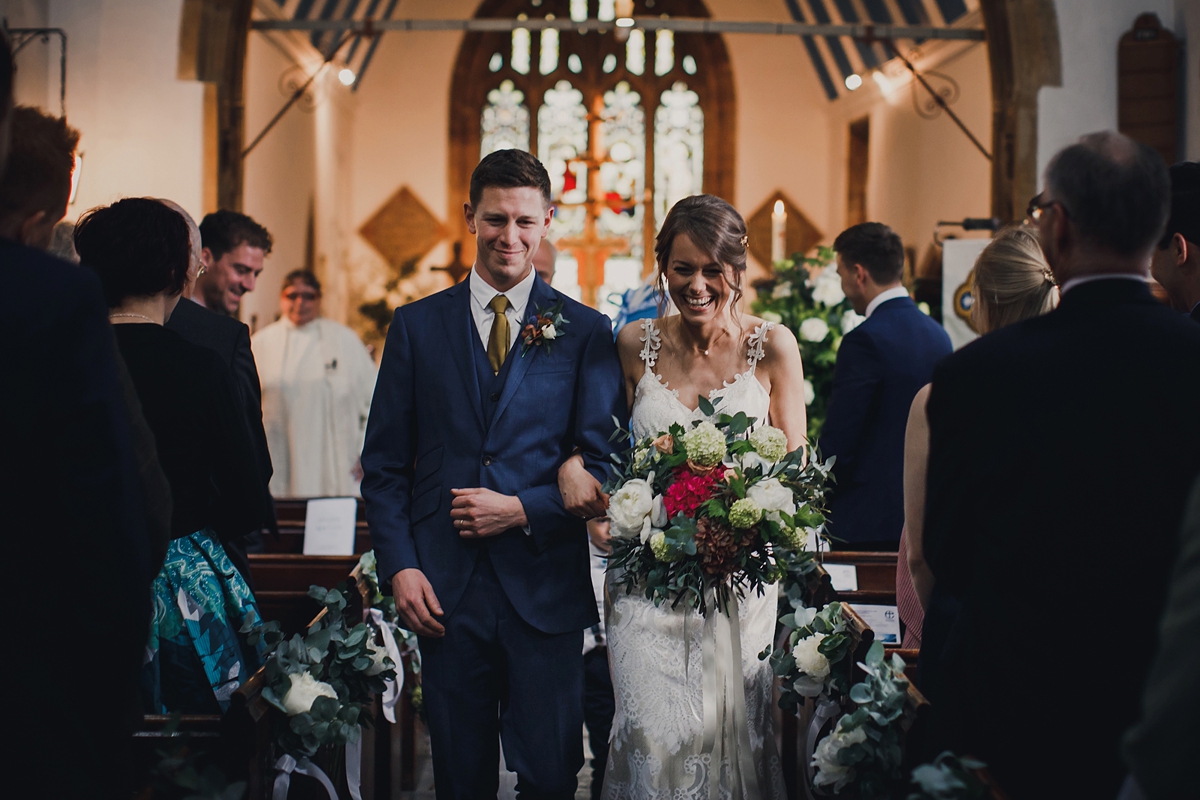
(497, 347)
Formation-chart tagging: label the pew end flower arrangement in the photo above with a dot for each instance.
(702, 513)
(864, 750)
(805, 294)
(406, 639)
(811, 660)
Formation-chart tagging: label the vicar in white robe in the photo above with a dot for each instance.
(317, 381)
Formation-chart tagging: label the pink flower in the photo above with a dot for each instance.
(689, 491)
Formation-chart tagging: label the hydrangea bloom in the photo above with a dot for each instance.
(705, 444)
(770, 443)
(744, 513)
(689, 491)
(658, 545)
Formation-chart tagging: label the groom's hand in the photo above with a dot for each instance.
(478, 513)
(416, 603)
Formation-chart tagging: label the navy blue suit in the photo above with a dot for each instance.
(515, 605)
(880, 367)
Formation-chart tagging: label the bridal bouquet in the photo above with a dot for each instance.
(715, 506)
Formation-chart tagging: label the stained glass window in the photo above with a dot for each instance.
(635, 51)
(610, 63)
(548, 55)
(579, 10)
(505, 120)
(520, 50)
(562, 142)
(607, 10)
(678, 149)
(623, 182)
(664, 52)
(575, 63)
(689, 65)
(496, 63)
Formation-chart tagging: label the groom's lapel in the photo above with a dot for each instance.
(539, 297)
(460, 329)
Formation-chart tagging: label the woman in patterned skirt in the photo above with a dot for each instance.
(146, 256)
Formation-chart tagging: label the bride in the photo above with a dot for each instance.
(666, 741)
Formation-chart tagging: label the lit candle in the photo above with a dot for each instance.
(778, 232)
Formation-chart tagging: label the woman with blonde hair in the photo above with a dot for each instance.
(1011, 282)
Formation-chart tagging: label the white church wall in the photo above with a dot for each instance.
(141, 127)
(1089, 32)
(280, 173)
(920, 171)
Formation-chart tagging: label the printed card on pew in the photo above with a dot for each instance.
(884, 620)
(844, 577)
(329, 526)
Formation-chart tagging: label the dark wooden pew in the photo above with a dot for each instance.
(290, 514)
(876, 576)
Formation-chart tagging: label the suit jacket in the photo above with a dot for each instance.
(230, 339)
(73, 509)
(881, 365)
(1195, 315)
(1160, 749)
(428, 433)
(1062, 450)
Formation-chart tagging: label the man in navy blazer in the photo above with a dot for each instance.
(474, 412)
(880, 366)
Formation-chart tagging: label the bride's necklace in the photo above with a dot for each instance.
(132, 316)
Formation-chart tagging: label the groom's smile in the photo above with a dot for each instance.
(509, 224)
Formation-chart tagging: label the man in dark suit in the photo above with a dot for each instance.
(470, 422)
(1062, 450)
(1160, 750)
(77, 546)
(880, 366)
(230, 339)
(1176, 263)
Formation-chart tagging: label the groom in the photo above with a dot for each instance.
(468, 427)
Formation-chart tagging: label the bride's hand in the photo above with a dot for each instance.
(581, 492)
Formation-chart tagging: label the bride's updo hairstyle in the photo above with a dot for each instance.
(715, 227)
(1012, 280)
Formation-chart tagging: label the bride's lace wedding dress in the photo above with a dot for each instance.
(669, 740)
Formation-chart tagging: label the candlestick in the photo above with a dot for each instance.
(778, 232)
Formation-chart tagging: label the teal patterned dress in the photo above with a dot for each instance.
(195, 656)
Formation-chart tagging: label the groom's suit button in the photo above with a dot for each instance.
(495, 398)
(487, 461)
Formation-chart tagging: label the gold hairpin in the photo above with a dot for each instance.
(745, 240)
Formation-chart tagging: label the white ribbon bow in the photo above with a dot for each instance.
(283, 781)
(391, 694)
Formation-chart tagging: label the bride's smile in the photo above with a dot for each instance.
(700, 287)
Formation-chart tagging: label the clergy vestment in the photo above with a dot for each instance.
(317, 382)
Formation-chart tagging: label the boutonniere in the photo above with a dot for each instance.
(544, 326)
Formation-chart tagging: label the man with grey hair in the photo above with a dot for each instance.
(230, 339)
(1056, 444)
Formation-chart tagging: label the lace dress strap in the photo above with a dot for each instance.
(651, 341)
(755, 351)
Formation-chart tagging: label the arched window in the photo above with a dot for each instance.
(626, 126)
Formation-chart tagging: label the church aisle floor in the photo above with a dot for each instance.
(508, 780)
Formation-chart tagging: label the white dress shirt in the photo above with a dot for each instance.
(883, 297)
(481, 296)
(1111, 276)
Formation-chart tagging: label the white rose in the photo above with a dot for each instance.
(549, 332)
(782, 289)
(829, 771)
(851, 320)
(629, 508)
(771, 316)
(378, 654)
(304, 690)
(810, 393)
(827, 288)
(814, 329)
(772, 497)
(811, 661)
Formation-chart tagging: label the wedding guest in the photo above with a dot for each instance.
(317, 381)
(196, 658)
(1160, 749)
(37, 180)
(75, 525)
(544, 261)
(230, 339)
(1061, 452)
(1011, 282)
(1176, 262)
(880, 366)
(234, 248)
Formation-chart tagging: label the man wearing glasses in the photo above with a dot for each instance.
(317, 382)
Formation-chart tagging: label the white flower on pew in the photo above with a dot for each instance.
(830, 770)
(811, 661)
(304, 690)
(379, 659)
